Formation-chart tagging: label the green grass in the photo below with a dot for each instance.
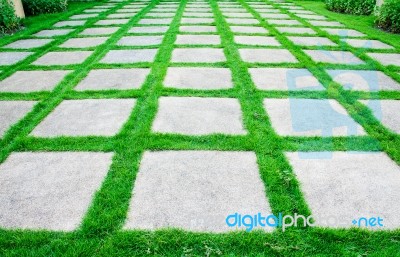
(100, 233)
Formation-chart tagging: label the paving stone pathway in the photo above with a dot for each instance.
(180, 113)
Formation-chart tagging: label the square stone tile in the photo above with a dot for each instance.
(195, 190)
(199, 116)
(242, 21)
(112, 22)
(198, 40)
(336, 57)
(28, 43)
(84, 42)
(197, 20)
(89, 117)
(130, 56)
(198, 55)
(302, 12)
(10, 58)
(107, 79)
(160, 15)
(283, 22)
(149, 29)
(311, 16)
(121, 15)
(51, 191)
(386, 58)
(155, 21)
(198, 29)
(238, 15)
(198, 14)
(198, 78)
(312, 41)
(348, 186)
(284, 79)
(364, 80)
(248, 29)
(326, 23)
(83, 16)
(387, 112)
(99, 31)
(140, 40)
(274, 16)
(94, 10)
(72, 23)
(344, 32)
(256, 40)
(310, 117)
(32, 81)
(367, 43)
(267, 56)
(53, 32)
(296, 30)
(63, 58)
(11, 112)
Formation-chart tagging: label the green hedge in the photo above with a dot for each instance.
(36, 7)
(388, 16)
(358, 7)
(8, 20)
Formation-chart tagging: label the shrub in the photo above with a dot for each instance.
(388, 16)
(358, 7)
(36, 7)
(8, 20)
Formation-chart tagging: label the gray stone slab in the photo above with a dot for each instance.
(50, 191)
(238, 15)
(112, 22)
(89, 117)
(302, 12)
(284, 22)
(149, 29)
(296, 30)
(10, 58)
(198, 55)
(344, 32)
(28, 43)
(198, 29)
(160, 15)
(131, 11)
(121, 15)
(99, 31)
(63, 58)
(199, 116)
(155, 21)
(84, 42)
(326, 23)
(256, 40)
(311, 16)
(311, 41)
(196, 190)
(386, 58)
(140, 40)
(348, 186)
(367, 43)
(130, 56)
(267, 10)
(248, 29)
(198, 40)
(226, 10)
(242, 21)
(275, 16)
(107, 79)
(284, 79)
(198, 78)
(83, 16)
(336, 57)
(197, 20)
(198, 14)
(53, 32)
(267, 56)
(72, 23)
(387, 112)
(11, 112)
(310, 117)
(32, 81)
(364, 80)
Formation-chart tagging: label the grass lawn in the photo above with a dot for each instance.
(101, 233)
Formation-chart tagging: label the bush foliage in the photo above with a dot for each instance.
(36, 7)
(388, 16)
(8, 20)
(358, 7)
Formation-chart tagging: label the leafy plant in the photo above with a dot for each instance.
(8, 20)
(388, 16)
(36, 7)
(357, 7)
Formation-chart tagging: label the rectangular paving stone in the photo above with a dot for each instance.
(386, 58)
(238, 15)
(256, 40)
(197, 20)
(99, 31)
(198, 78)
(283, 22)
(63, 58)
(274, 16)
(10, 58)
(310, 117)
(73, 23)
(112, 22)
(311, 41)
(121, 15)
(296, 30)
(364, 80)
(28, 43)
(248, 29)
(198, 40)
(242, 21)
(149, 29)
(199, 116)
(326, 23)
(83, 16)
(32, 81)
(337, 57)
(302, 11)
(130, 56)
(284, 79)
(108, 79)
(311, 16)
(84, 42)
(198, 29)
(198, 14)
(386, 112)
(89, 117)
(344, 32)
(11, 112)
(53, 32)
(160, 15)
(367, 43)
(267, 56)
(155, 21)
(50, 191)
(198, 55)
(195, 190)
(140, 40)
(347, 186)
